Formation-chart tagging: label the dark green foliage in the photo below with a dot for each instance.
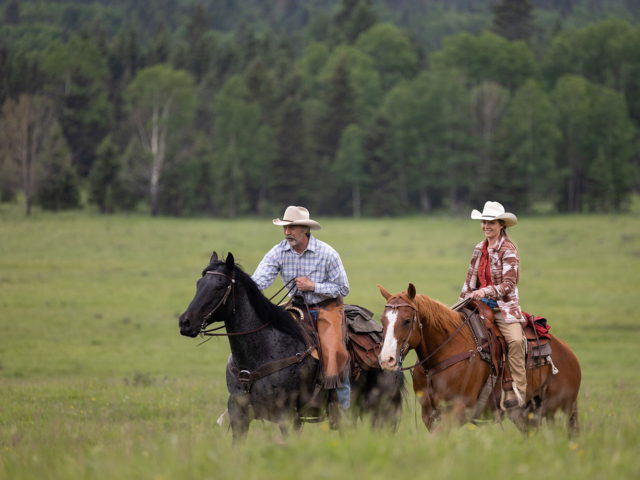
(75, 72)
(348, 107)
(513, 20)
(61, 193)
(58, 188)
(104, 175)
(340, 99)
(353, 18)
(12, 13)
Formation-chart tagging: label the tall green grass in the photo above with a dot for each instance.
(96, 382)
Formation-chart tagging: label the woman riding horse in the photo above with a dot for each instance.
(493, 277)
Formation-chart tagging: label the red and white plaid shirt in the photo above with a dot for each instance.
(505, 274)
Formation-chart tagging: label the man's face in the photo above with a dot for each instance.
(294, 234)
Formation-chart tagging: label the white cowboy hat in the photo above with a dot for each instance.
(495, 211)
(297, 216)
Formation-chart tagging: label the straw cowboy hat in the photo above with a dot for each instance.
(297, 216)
(495, 211)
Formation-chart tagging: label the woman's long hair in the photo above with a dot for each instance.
(505, 234)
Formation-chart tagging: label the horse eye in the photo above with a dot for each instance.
(407, 322)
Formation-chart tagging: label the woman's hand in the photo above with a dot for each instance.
(478, 294)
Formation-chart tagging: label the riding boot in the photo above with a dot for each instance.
(512, 399)
(333, 341)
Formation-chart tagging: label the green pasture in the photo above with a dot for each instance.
(96, 382)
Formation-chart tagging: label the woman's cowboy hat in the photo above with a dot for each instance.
(297, 216)
(495, 211)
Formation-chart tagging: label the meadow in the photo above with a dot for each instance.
(96, 382)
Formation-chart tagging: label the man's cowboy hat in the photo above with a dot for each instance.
(297, 216)
(495, 211)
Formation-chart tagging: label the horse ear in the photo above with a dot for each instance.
(229, 262)
(384, 293)
(214, 258)
(411, 291)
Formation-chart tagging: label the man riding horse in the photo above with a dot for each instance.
(320, 284)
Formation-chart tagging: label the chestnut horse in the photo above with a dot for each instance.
(455, 374)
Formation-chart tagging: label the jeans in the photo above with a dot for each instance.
(344, 392)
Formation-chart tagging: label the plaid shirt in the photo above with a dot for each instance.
(319, 262)
(505, 274)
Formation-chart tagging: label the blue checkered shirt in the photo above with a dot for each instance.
(319, 262)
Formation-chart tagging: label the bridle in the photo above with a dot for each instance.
(230, 291)
(405, 346)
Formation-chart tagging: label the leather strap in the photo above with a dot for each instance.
(248, 378)
(449, 362)
(442, 345)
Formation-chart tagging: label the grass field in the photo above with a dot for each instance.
(96, 382)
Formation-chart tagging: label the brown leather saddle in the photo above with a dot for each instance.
(363, 348)
(493, 347)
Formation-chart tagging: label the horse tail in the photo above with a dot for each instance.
(573, 426)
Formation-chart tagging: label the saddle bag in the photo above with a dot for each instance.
(365, 350)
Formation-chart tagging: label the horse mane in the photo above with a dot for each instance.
(266, 310)
(439, 316)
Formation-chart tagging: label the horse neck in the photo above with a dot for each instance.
(433, 337)
(253, 349)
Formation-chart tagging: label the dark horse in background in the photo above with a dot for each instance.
(261, 332)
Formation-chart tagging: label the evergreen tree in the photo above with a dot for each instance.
(159, 48)
(75, 73)
(12, 13)
(513, 20)
(349, 166)
(103, 176)
(353, 18)
(290, 174)
(58, 187)
(340, 99)
(382, 195)
(200, 43)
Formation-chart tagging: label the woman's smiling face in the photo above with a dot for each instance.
(491, 229)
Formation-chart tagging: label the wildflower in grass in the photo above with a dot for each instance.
(472, 426)
(324, 427)
(93, 399)
(573, 446)
(71, 406)
(335, 443)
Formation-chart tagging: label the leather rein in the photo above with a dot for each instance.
(246, 377)
(230, 290)
(404, 350)
(440, 367)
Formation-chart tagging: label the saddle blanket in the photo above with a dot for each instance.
(540, 324)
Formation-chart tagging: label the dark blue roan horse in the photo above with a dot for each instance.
(262, 335)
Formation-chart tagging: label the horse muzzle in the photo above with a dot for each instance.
(188, 327)
(389, 363)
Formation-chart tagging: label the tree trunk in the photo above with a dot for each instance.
(356, 201)
(425, 202)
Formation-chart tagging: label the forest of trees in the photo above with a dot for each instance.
(349, 107)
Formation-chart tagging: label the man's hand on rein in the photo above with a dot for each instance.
(305, 284)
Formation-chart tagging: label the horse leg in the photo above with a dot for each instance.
(562, 389)
(428, 416)
(239, 417)
(284, 431)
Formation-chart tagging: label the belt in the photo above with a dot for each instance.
(302, 304)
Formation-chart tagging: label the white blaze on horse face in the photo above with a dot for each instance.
(390, 345)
